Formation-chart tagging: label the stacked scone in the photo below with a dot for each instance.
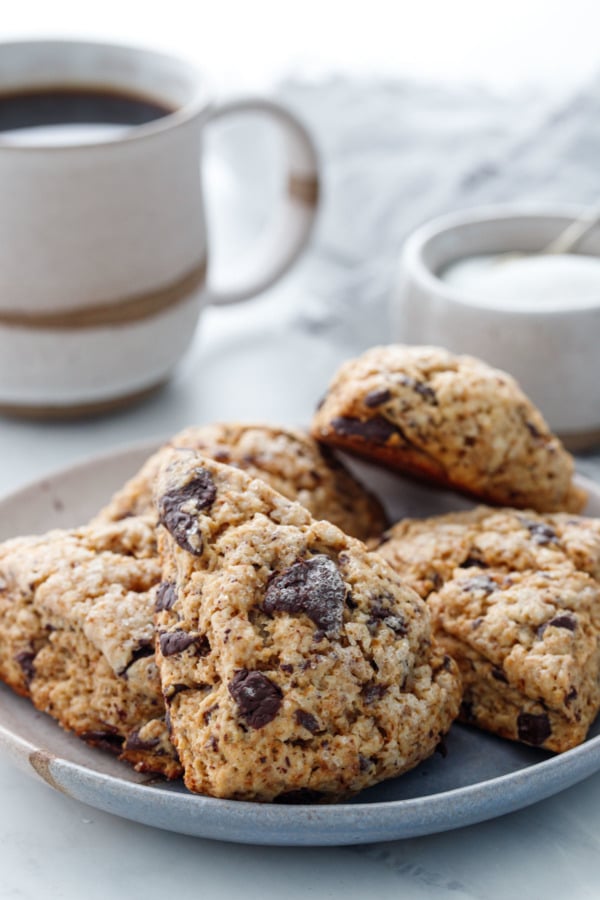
(222, 618)
(513, 594)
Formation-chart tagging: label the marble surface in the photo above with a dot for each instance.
(270, 360)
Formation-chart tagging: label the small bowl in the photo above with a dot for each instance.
(553, 354)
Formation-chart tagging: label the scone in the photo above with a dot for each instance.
(295, 664)
(287, 459)
(449, 419)
(515, 599)
(77, 636)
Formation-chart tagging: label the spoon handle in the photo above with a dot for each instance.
(574, 233)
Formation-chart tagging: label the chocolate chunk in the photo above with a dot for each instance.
(364, 763)
(350, 601)
(377, 429)
(142, 651)
(377, 397)
(172, 642)
(311, 586)
(533, 729)
(287, 668)
(25, 660)
(471, 562)
(173, 689)
(258, 699)
(206, 716)
(135, 742)
(307, 720)
(436, 580)
(106, 740)
(540, 532)
(480, 583)
(165, 596)
(178, 510)
(533, 431)
(572, 695)
(565, 621)
(372, 692)
(499, 675)
(382, 614)
(420, 387)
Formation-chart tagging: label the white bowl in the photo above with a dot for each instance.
(552, 353)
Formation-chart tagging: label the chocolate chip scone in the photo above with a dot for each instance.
(515, 599)
(452, 420)
(287, 459)
(295, 664)
(77, 636)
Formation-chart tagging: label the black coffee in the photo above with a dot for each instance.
(61, 108)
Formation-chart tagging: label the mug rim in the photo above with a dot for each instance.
(414, 266)
(199, 101)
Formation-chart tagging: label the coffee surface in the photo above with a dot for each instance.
(64, 107)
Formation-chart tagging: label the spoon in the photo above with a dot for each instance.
(565, 241)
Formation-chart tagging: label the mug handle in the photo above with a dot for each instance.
(294, 215)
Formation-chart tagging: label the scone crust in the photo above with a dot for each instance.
(77, 636)
(515, 599)
(452, 420)
(290, 461)
(295, 664)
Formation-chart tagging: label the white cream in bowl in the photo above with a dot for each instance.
(536, 281)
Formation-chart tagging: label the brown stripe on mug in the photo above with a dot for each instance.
(51, 411)
(304, 188)
(117, 312)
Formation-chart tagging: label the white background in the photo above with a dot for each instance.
(248, 44)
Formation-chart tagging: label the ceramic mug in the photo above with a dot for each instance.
(103, 244)
(553, 354)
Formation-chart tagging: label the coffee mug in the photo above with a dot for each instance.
(103, 241)
(552, 352)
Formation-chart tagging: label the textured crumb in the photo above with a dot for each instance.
(452, 420)
(77, 636)
(515, 599)
(295, 664)
(287, 459)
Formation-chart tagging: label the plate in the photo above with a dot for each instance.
(481, 777)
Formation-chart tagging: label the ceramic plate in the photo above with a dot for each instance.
(481, 776)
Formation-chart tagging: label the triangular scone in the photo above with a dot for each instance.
(77, 636)
(295, 664)
(515, 599)
(449, 419)
(286, 458)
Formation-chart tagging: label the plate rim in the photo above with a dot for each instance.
(310, 823)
